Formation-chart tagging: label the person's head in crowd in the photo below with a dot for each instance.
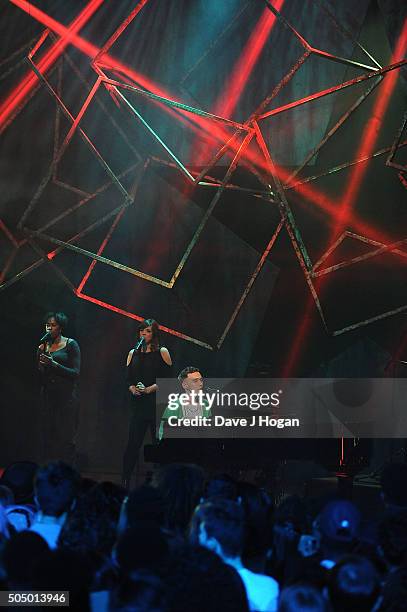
(392, 536)
(221, 486)
(181, 486)
(21, 552)
(258, 513)
(197, 580)
(6, 496)
(144, 503)
(394, 592)
(138, 592)
(191, 379)
(65, 570)
(219, 526)
(110, 493)
(142, 547)
(302, 598)
(56, 486)
(91, 525)
(353, 585)
(337, 528)
(19, 477)
(394, 486)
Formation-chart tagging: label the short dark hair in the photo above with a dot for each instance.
(60, 318)
(223, 520)
(56, 486)
(197, 579)
(354, 585)
(188, 370)
(394, 484)
(303, 597)
(339, 521)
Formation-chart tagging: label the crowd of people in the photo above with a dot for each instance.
(185, 542)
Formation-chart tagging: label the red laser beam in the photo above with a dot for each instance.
(69, 35)
(345, 211)
(370, 134)
(107, 60)
(320, 199)
(15, 100)
(91, 50)
(244, 66)
(87, 47)
(297, 342)
(239, 77)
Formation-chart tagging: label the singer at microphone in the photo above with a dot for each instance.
(146, 362)
(59, 359)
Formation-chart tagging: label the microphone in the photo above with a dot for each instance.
(139, 344)
(46, 338)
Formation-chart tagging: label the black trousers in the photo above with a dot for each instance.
(59, 423)
(142, 419)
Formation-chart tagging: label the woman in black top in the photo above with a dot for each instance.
(59, 362)
(144, 365)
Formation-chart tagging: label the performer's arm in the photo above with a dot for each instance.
(130, 382)
(166, 357)
(75, 358)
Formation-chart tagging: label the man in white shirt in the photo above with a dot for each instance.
(191, 381)
(219, 526)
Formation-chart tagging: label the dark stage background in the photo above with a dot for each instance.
(194, 52)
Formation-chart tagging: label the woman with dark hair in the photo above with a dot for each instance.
(59, 362)
(145, 363)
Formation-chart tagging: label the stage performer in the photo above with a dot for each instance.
(146, 362)
(59, 362)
